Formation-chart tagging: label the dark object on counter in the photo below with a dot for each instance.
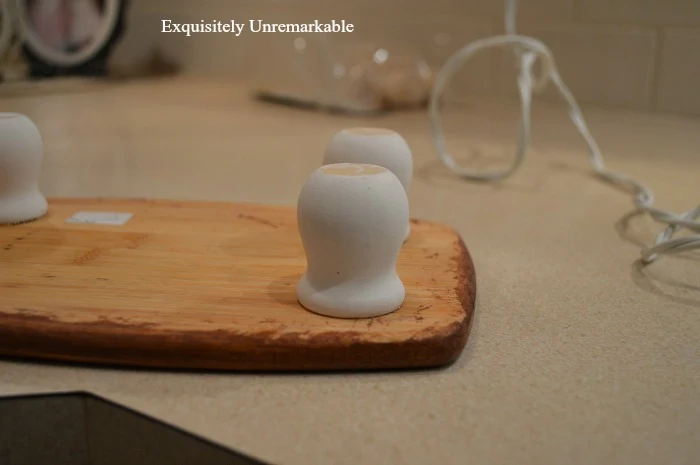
(79, 428)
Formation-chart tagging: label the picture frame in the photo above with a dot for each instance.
(69, 37)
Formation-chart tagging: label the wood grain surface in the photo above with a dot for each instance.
(211, 285)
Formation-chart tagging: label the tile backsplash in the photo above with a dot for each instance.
(636, 54)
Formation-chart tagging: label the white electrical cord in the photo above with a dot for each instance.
(528, 50)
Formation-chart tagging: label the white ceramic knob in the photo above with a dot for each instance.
(352, 220)
(21, 157)
(374, 146)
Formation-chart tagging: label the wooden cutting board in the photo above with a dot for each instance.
(206, 285)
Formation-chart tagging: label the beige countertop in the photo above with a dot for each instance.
(576, 355)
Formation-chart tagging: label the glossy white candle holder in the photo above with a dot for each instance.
(374, 146)
(21, 157)
(352, 221)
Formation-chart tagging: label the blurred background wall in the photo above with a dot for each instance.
(636, 54)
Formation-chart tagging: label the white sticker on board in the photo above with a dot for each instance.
(113, 219)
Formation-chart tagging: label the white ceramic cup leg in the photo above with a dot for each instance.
(21, 157)
(352, 221)
(374, 146)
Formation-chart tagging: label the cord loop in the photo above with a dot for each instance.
(528, 50)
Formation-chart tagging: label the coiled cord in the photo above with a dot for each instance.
(528, 50)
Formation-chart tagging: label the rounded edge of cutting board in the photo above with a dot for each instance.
(28, 335)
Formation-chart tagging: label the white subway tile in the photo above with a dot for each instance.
(603, 64)
(679, 72)
(527, 9)
(462, 9)
(659, 12)
(389, 8)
